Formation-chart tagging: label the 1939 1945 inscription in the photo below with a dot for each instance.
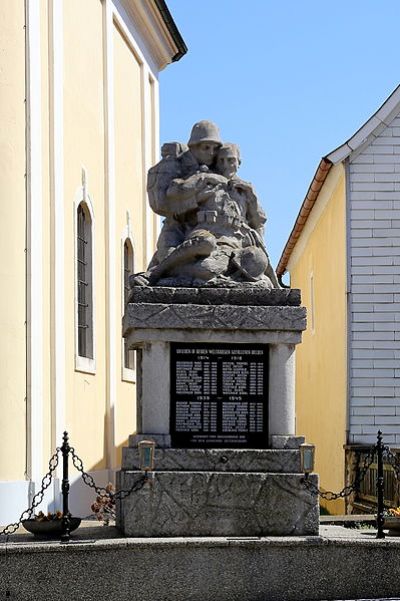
(219, 395)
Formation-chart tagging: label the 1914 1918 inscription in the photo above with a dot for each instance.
(219, 395)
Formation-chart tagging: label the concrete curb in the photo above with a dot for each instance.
(335, 565)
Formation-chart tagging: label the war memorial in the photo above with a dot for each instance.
(223, 513)
(215, 336)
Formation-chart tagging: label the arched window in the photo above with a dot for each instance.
(84, 272)
(129, 355)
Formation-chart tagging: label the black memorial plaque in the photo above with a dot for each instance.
(219, 395)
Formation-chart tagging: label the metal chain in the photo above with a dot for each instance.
(37, 499)
(350, 488)
(394, 460)
(87, 478)
(101, 491)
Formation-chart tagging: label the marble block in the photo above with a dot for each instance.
(217, 492)
(187, 503)
(223, 317)
(216, 460)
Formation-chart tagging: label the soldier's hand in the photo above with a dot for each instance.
(211, 179)
(241, 186)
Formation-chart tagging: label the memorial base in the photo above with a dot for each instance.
(215, 382)
(218, 492)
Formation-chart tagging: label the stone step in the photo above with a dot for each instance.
(218, 460)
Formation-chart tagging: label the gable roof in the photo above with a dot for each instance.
(363, 136)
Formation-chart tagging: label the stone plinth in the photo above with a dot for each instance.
(208, 492)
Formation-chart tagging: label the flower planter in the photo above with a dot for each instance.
(392, 523)
(49, 528)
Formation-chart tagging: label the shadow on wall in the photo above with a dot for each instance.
(81, 495)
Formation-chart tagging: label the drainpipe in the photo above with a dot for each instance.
(28, 459)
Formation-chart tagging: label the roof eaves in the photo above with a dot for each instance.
(305, 209)
(172, 28)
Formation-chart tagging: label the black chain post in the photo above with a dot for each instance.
(65, 451)
(347, 490)
(66, 519)
(380, 488)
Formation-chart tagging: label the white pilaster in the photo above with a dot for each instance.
(111, 306)
(34, 278)
(156, 143)
(282, 390)
(154, 387)
(147, 154)
(57, 219)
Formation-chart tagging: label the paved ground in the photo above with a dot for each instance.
(91, 530)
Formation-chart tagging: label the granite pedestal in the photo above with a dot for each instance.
(237, 491)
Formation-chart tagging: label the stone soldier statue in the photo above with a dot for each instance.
(172, 182)
(213, 228)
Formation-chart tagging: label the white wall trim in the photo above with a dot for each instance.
(58, 220)
(110, 209)
(129, 26)
(156, 147)
(84, 364)
(370, 129)
(147, 161)
(15, 497)
(34, 274)
(127, 375)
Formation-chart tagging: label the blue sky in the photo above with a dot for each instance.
(287, 80)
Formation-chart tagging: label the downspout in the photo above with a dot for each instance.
(28, 459)
(348, 319)
(348, 296)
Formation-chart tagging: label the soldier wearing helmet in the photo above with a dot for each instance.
(213, 222)
(173, 183)
(204, 142)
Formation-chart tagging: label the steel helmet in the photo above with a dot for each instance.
(204, 131)
(251, 262)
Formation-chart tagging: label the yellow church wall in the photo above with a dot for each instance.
(64, 138)
(318, 268)
(85, 408)
(12, 241)
(130, 211)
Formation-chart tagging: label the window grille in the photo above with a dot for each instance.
(84, 276)
(129, 355)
